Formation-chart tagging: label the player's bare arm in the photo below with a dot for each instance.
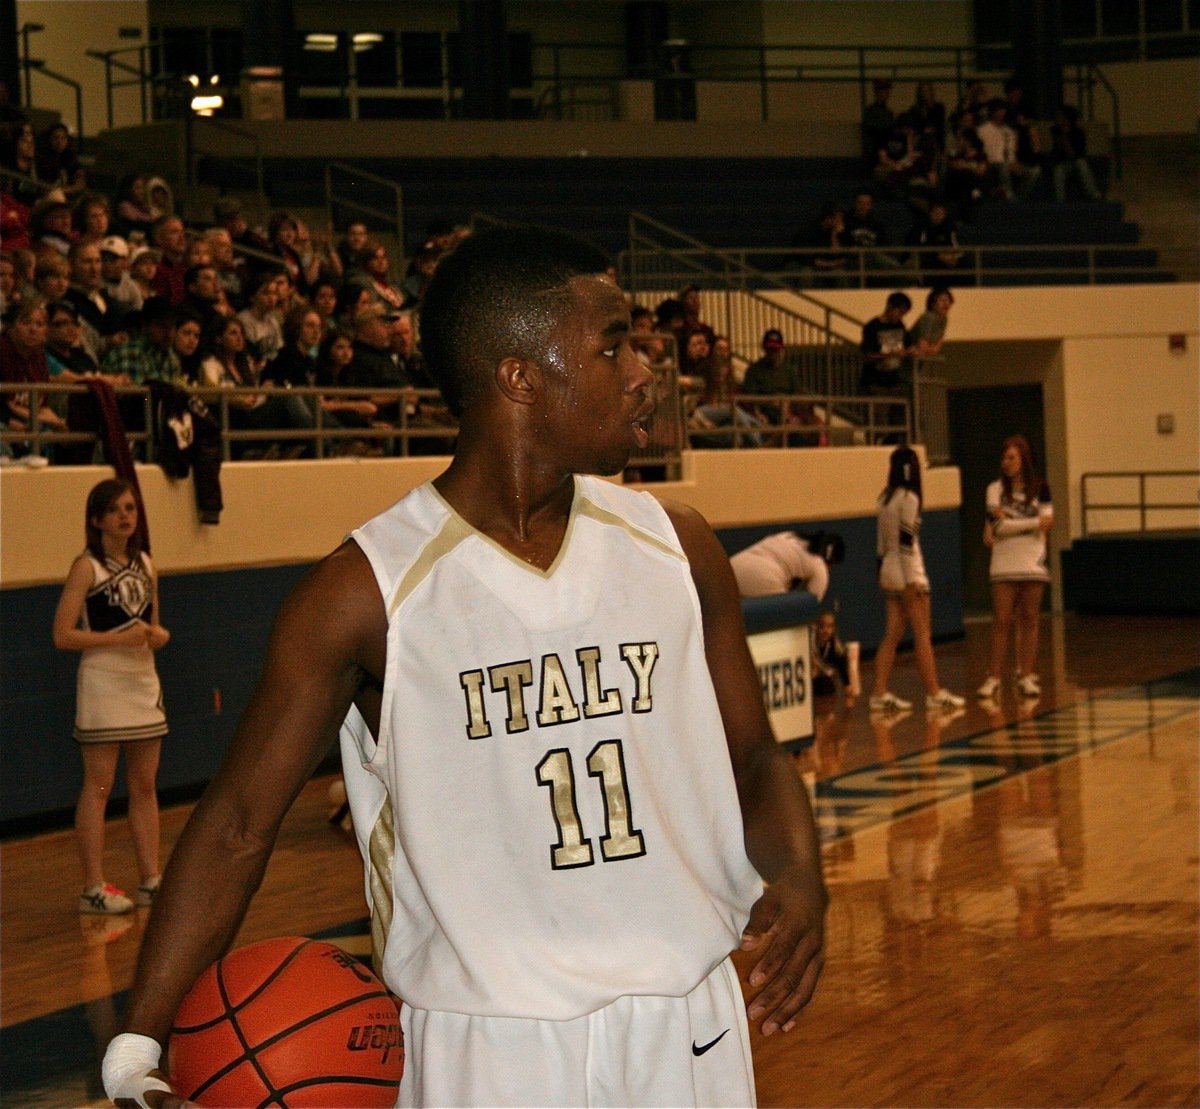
(327, 646)
(787, 923)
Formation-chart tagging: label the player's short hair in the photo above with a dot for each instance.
(497, 295)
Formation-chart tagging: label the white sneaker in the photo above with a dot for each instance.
(945, 700)
(1029, 686)
(889, 702)
(147, 891)
(104, 899)
(989, 689)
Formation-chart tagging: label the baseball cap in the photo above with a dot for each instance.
(154, 253)
(114, 244)
(772, 339)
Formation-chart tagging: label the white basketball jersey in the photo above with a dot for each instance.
(549, 818)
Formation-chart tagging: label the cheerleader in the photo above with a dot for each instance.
(1019, 516)
(905, 587)
(109, 612)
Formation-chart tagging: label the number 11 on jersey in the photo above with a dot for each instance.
(620, 840)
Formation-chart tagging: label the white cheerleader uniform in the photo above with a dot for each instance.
(1019, 550)
(554, 849)
(117, 692)
(898, 543)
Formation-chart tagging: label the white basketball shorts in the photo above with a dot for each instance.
(637, 1051)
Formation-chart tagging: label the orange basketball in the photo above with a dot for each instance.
(287, 1022)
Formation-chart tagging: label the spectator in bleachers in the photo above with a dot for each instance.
(296, 362)
(826, 267)
(14, 221)
(143, 265)
(907, 167)
(232, 271)
(287, 296)
(865, 231)
(372, 366)
(935, 235)
(713, 421)
(402, 336)
(101, 322)
(929, 332)
(58, 161)
(885, 348)
(159, 197)
(52, 277)
(92, 217)
(353, 297)
(66, 357)
(149, 355)
(23, 360)
(692, 356)
(229, 213)
(10, 293)
(133, 214)
(877, 121)
(669, 317)
(197, 252)
(689, 297)
(378, 272)
(966, 171)
(50, 227)
(929, 116)
(231, 366)
(651, 351)
(772, 375)
(352, 249)
(170, 239)
(260, 319)
(185, 342)
(1068, 155)
(282, 232)
(336, 352)
(124, 295)
(323, 297)
(999, 143)
(205, 298)
(420, 272)
(19, 155)
(25, 265)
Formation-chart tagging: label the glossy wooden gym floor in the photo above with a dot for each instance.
(1014, 898)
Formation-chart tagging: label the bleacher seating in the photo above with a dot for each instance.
(724, 202)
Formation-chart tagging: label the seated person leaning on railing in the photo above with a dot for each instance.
(23, 359)
(713, 420)
(268, 409)
(773, 375)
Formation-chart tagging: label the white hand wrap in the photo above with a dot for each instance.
(127, 1065)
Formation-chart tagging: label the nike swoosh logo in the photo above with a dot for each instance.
(700, 1050)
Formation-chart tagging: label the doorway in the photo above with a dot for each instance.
(980, 421)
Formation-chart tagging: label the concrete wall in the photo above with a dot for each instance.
(1108, 368)
(61, 45)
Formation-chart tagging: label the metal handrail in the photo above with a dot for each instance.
(1142, 505)
(30, 65)
(27, 179)
(866, 268)
(394, 217)
(191, 122)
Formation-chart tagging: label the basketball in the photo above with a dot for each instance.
(287, 1022)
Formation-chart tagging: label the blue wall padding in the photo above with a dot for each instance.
(220, 621)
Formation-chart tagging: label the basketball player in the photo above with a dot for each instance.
(562, 778)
